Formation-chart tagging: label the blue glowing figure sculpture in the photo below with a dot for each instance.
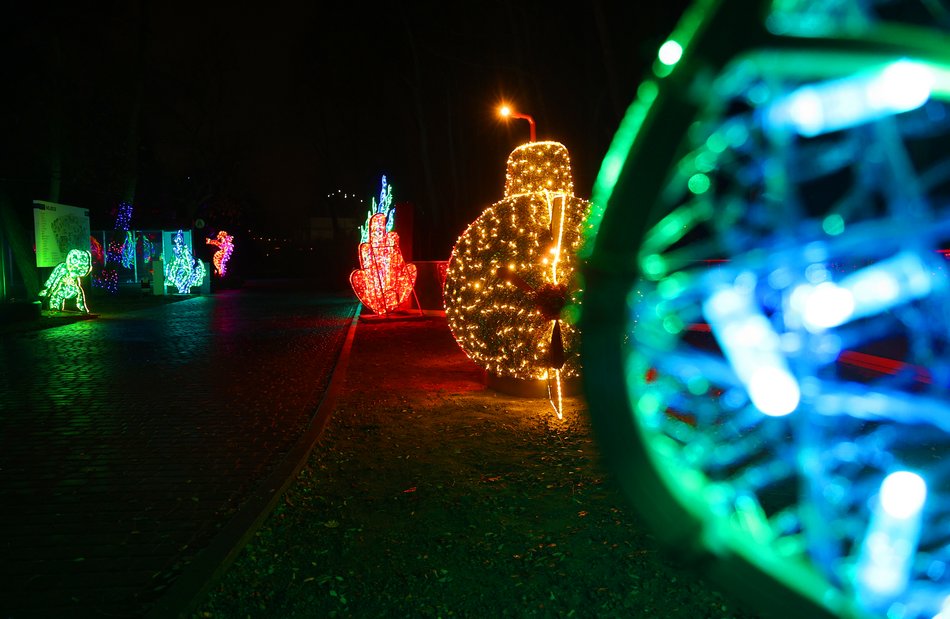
(65, 281)
(766, 332)
(184, 271)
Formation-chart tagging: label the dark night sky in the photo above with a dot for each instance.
(270, 107)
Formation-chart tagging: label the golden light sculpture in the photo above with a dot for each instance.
(512, 274)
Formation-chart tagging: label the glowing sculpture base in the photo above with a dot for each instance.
(409, 314)
(527, 388)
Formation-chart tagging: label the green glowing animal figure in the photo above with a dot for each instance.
(63, 282)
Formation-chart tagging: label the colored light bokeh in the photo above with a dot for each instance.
(765, 324)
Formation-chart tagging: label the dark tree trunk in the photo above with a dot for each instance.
(610, 63)
(432, 214)
(135, 113)
(20, 247)
(55, 119)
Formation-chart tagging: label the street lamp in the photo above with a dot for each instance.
(506, 112)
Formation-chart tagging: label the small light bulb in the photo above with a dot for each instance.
(903, 494)
(670, 53)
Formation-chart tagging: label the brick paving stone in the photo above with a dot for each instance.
(126, 442)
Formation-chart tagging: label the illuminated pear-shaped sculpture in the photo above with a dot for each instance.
(512, 274)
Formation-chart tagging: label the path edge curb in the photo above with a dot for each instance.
(206, 569)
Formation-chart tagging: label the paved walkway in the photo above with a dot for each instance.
(127, 441)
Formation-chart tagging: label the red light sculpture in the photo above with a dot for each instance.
(383, 281)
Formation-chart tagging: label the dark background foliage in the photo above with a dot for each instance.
(251, 116)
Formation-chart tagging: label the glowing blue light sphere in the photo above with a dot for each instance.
(766, 322)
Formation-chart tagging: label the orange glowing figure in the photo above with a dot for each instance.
(225, 245)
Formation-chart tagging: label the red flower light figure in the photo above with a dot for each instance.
(383, 281)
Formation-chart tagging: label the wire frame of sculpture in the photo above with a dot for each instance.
(65, 282)
(384, 280)
(766, 350)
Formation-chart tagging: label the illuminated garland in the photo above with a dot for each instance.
(148, 248)
(124, 252)
(127, 250)
(511, 273)
(64, 282)
(107, 279)
(116, 250)
(124, 217)
(384, 280)
(95, 246)
(184, 271)
(225, 245)
(384, 207)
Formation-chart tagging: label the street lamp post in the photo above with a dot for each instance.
(507, 112)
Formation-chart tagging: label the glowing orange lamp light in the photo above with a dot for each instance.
(507, 112)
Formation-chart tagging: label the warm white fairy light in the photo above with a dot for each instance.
(513, 270)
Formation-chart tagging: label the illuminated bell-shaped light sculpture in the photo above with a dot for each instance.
(64, 282)
(383, 281)
(511, 274)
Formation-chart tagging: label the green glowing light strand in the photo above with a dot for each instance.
(65, 281)
(636, 197)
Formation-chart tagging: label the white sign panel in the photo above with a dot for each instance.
(58, 228)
